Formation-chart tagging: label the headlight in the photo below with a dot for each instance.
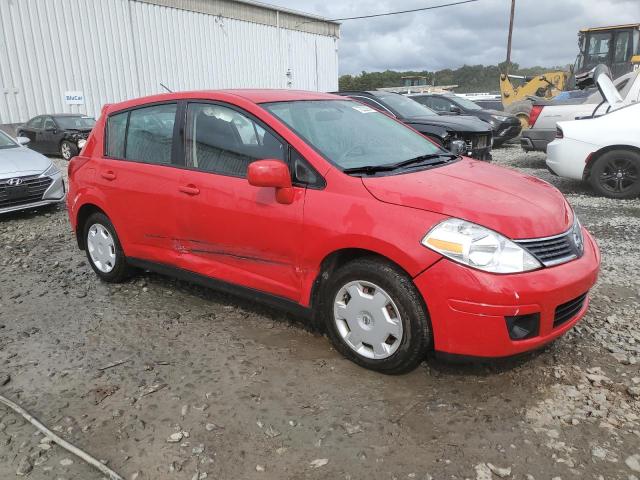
(500, 118)
(578, 239)
(478, 247)
(52, 170)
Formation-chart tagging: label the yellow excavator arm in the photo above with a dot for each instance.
(547, 85)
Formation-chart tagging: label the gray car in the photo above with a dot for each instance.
(27, 179)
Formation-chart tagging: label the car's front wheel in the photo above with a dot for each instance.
(103, 249)
(68, 150)
(616, 174)
(375, 316)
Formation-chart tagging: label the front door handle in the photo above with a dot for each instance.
(108, 175)
(190, 189)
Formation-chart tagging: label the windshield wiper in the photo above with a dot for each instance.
(424, 158)
(371, 169)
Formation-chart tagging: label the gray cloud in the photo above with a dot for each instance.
(545, 31)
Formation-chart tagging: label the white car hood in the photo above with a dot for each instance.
(21, 161)
(608, 90)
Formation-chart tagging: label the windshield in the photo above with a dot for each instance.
(352, 135)
(405, 106)
(75, 123)
(6, 141)
(466, 104)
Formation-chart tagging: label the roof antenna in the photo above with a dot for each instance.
(166, 88)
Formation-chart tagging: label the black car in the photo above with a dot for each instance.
(464, 135)
(504, 126)
(57, 134)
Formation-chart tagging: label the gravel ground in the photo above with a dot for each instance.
(216, 387)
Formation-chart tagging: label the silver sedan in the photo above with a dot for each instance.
(27, 178)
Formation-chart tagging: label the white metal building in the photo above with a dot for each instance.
(76, 55)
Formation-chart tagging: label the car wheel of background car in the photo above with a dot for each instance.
(103, 249)
(616, 174)
(68, 150)
(375, 316)
(521, 110)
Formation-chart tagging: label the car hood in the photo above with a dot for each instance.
(21, 161)
(515, 205)
(454, 122)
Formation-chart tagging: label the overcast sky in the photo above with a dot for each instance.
(545, 31)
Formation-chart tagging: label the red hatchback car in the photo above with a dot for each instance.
(391, 244)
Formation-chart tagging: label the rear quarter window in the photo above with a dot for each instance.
(115, 134)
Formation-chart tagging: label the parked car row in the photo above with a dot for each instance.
(323, 204)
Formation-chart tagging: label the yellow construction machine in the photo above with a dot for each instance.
(616, 46)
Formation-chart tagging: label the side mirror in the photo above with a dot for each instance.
(272, 174)
(23, 140)
(455, 109)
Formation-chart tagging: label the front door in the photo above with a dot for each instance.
(231, 230)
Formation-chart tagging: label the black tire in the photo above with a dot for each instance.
(616, 174)
(416, 338)
(120, 271)
(68, 150)
(522, 110)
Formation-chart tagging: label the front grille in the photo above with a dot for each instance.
(33, 189)
(567, 311)
(553, 250)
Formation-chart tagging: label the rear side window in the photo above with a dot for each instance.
(150, 134)
(116, 130)
(221, 140)
(35, 122)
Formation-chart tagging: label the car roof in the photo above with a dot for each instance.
(252, 95)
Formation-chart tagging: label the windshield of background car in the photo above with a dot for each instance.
(75, 123)
(467, 104)
(6, 141)
(350, 134)
(405, 106)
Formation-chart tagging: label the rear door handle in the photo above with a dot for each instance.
(189, 189)
(108, 175)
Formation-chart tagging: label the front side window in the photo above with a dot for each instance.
(351, 135)
(467, 104)
(150, 134)
(221, 140)
(6, 141)
(440, 104)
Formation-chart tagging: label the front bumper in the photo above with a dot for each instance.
(536, 139)
(39, 194)
(468, 307)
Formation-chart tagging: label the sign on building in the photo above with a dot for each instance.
(74, 98)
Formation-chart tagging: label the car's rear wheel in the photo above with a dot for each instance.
(68, 150)
(375, 316)
(616, 174)
(103, 249)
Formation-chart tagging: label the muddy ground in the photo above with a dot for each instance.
(251, 394)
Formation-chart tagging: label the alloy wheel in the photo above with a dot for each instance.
(619, 175)
(101, 247)
(368, 320)
(65, 150)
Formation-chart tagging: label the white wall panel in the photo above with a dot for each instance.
(112, 50)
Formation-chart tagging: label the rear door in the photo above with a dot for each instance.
(31, 131)
(139, 179)
(231, 230)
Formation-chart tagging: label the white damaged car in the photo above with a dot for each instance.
(604, 151)
(27, 179)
